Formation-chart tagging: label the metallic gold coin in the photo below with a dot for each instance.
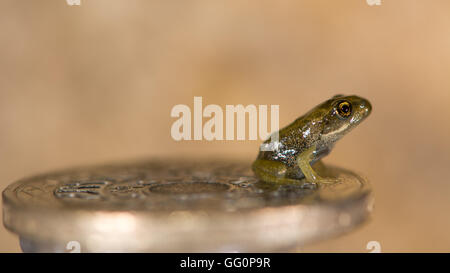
(179, 206)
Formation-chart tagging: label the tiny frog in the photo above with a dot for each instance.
(309, 138)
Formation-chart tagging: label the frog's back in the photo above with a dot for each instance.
(291, 142)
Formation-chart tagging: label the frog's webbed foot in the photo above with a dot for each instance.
(327, 180)
(304, 163)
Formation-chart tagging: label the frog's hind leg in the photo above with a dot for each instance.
(272, 171)
(304, 163)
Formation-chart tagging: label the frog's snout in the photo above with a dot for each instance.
(366, 107)
(362, 109)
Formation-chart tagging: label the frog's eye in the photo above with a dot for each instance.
(344, 109)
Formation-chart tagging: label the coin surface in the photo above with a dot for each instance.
(179, 206)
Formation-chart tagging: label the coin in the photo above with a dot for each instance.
(179, 206)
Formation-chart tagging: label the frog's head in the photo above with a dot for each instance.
(341, 114)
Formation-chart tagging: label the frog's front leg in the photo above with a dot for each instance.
(304, 163)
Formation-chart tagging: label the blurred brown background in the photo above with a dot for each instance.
(96, 83)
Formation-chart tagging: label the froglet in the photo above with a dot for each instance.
(308, 139)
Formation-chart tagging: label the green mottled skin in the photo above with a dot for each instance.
(309, 138)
